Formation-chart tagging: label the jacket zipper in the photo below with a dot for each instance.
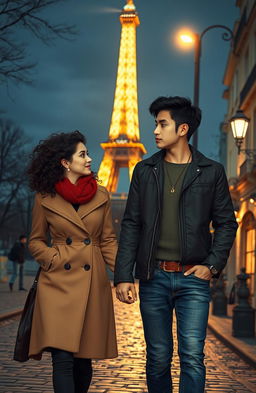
(181, 228)
(154, 229)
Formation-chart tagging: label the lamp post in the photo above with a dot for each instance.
(197, 40)
(239, 125)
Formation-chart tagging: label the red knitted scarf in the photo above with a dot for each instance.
(81, 192)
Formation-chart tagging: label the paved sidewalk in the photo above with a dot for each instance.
(226, 372)
(222, 328)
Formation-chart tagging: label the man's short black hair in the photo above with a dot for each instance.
(22, 237)
(181, 111)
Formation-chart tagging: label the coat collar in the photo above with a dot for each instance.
(197, 157)
(194, 170)
(65, 209)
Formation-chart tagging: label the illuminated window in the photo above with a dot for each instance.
(250, 251)
(249, 248)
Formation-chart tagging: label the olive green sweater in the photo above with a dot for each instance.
(169, 242)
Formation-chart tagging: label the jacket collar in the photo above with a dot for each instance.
(59, 205)
(197, 157)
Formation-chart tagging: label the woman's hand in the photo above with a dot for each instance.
(126, 292)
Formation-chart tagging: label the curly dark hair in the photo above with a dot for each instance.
(45, 168)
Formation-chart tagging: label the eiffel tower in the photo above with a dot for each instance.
(123, 148)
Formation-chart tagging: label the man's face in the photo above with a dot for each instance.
(165, 131)
(23, 240)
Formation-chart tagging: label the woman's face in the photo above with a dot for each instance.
(80, 165)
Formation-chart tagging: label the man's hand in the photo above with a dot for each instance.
(126, 292)
(200, 271)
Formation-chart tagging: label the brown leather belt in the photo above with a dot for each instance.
(173, 266)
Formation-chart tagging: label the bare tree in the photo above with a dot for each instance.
(25, 14)
(13, 162)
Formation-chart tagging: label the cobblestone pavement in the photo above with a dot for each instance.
(226, 372)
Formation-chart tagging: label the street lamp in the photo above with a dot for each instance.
(239, 125)
(192, 37)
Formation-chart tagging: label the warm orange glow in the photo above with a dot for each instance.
(185, 38)
(123, 148)
(250, 251)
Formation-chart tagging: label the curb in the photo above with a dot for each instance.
(10, 314)
(247, 357)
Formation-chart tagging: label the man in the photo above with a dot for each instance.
(173, 198)
(16, 256)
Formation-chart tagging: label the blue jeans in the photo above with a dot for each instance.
(14, 273)
(190, 297)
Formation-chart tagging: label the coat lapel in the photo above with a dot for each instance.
(58, 205)
(65, 209)
(99, 199)
(195, 168)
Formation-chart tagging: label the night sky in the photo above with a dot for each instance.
(74, 81)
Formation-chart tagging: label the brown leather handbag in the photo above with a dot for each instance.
(21, 349)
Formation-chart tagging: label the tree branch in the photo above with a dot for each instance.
(24, 13)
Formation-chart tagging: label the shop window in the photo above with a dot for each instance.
(249, 226)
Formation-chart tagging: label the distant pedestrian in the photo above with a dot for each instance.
(17, 258)
(73, 316)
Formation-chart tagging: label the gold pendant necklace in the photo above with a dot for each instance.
(172, 186)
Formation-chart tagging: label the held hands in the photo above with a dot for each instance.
(200, 271)
(126, 292)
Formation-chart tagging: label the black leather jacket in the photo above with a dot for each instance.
(205, 198)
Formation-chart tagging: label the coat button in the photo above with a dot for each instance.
(87, 267)
(67, 266)
(68, 240)
(87, 241)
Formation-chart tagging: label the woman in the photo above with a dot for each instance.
(73, 316)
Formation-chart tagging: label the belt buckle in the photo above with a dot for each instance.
(166, 270)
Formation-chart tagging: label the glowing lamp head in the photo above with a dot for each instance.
(239, 124)
(186, 38)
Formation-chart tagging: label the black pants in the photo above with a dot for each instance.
(70, 374)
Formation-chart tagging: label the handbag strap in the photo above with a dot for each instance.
(36, 278)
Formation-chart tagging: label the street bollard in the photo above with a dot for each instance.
(243, 322)
(3, 268)
(219, 298)
(213, 287)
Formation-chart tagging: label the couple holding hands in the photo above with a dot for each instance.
(174, 196)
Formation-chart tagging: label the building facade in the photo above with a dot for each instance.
(240, 93)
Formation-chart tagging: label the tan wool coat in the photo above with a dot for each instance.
(74, 307)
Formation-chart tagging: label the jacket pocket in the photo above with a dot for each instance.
(201, 188)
